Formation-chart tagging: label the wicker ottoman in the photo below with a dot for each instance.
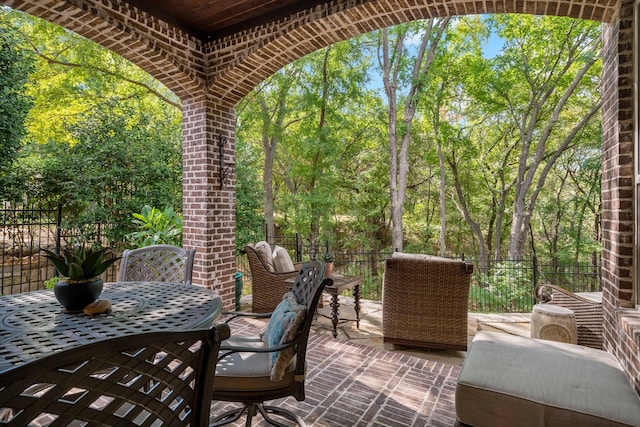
(554, 323)
(514, 381)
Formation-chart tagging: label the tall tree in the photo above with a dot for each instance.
(541, 80)
(16, 64)
(267, 108)
(404, 68)
(445, 106)
(326, 137)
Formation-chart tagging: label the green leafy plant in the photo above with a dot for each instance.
(157, 227)
(51, 282)
(327, 257)
(508, 285)
(80, 264)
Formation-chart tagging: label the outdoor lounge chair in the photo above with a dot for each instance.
(157, 263)
(152, 378)
(255, 369)
(586, 306)
(425, 301)
(268, 283)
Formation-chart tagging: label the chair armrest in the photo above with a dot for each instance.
(229, 349)
(245, 314)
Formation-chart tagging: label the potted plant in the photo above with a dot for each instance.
(328, 260)
(80, 269)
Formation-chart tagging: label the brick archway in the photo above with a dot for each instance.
(211, 77)
(246, 59)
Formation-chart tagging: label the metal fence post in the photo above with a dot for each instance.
(535, 280)
(298, 248)
(58, 228)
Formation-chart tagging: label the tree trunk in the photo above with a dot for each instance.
(443, 205)
(391, 63)
(535, 134)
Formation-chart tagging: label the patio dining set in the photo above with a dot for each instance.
(166, 350)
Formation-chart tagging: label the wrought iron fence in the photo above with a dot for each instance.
(499, 286)
(24, 230)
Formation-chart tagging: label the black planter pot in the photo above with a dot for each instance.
(77, 295)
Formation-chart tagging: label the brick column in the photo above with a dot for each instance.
(621, 320)
(208, 207)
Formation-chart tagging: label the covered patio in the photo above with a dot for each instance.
(211, 54)
(357, 380)
(353, 384)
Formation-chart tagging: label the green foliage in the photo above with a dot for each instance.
(16, 64)
(81, 263)
(123, 159)
(104, 136)
(506, 287)
(105, 139)
(157, 227)
(249, 196)
(327, 256)
(51, 282)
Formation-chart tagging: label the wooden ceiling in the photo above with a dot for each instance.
(211, 19)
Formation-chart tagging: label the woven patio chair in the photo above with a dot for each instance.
(425, 301)
(267, 285)
(157, 263)
(587, 308)
(117, 381)
(254, 369)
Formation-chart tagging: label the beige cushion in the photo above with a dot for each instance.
(518, 381)
(263, 249)
(249, 371)
(281, 260)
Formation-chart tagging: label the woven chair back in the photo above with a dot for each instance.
(425, 301)
(589, 318)
(267, 287)
(157, 263)
(153, 378)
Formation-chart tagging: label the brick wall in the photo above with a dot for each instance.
(622, 321)
(210, 78)
(208, 206)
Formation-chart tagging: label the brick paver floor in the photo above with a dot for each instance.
(351, 384)
(357, 380)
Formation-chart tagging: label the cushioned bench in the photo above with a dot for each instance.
(507, 380)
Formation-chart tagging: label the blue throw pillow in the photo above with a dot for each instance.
(278, 323)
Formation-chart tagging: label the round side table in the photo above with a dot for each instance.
(554, 323)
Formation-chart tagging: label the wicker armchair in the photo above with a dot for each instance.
(117, 381)
(157, 263)
(267, 285)
(587, 308)
(425, 301)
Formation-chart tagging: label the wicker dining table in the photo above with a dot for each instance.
(33, 324)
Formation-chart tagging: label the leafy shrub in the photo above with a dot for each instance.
(507, 287)
(157, 227)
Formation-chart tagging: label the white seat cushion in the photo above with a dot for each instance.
(249, 371)
(282, 261)
(263, 249)
(518, 381)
